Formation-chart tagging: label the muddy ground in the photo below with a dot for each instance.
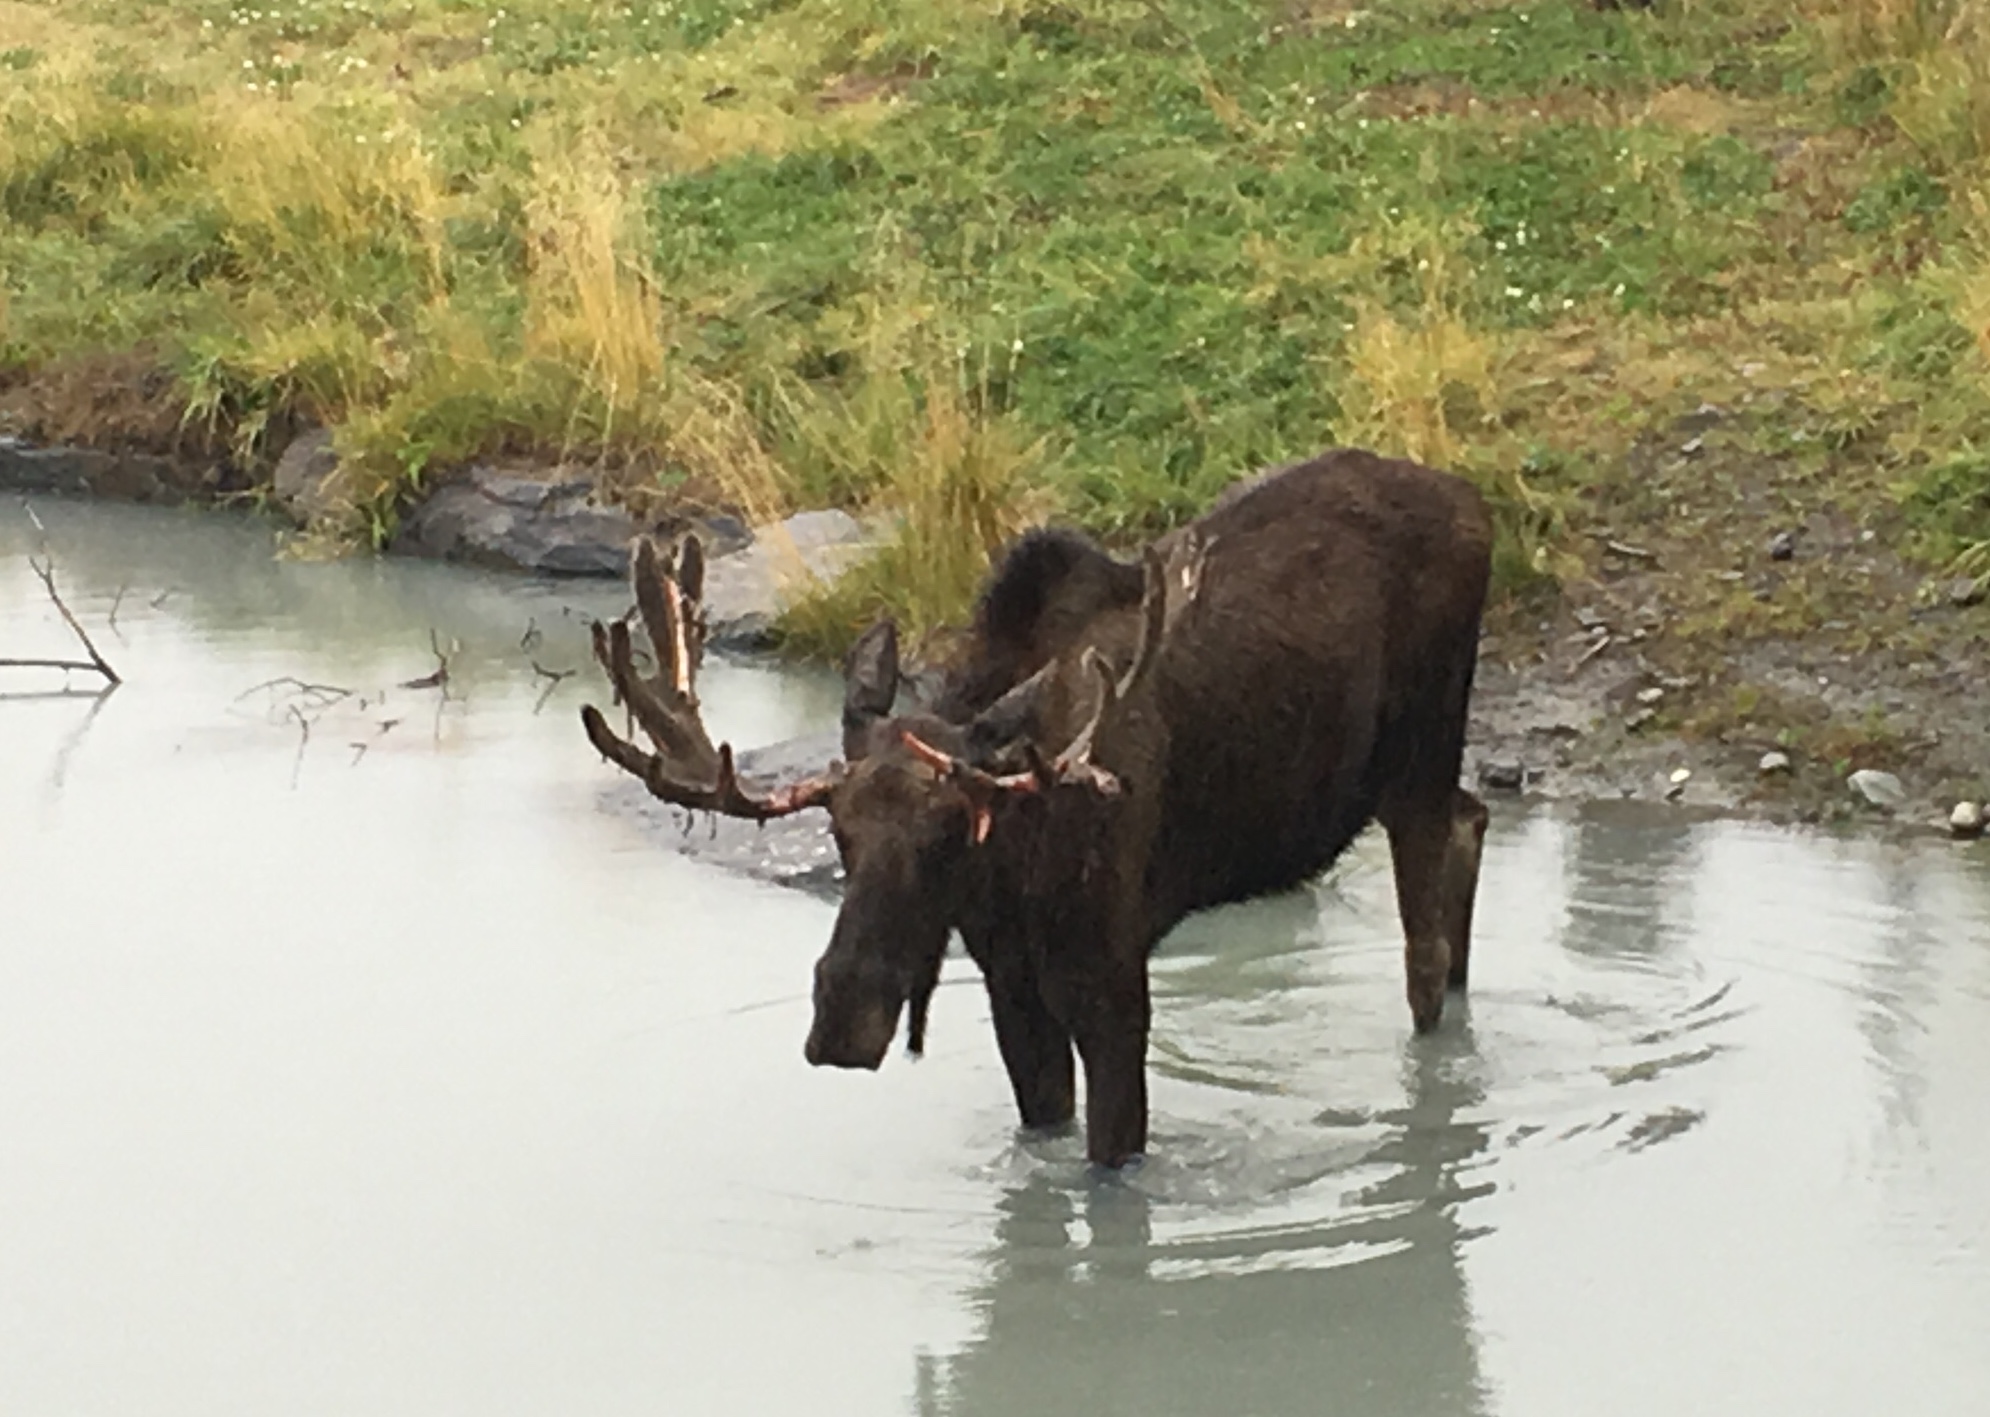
(1732, 605)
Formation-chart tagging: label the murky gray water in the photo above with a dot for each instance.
(404, 1067)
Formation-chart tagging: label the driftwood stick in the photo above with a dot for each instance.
(43, 566)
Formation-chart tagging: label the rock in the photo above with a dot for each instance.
(746, 592)
(1782, 546)
(1503, 776)
(1967, 590)
(1693, 446)
(302, 482)
(1966, 820)
(1650, 696)
(1882, 789)
(1640, 719)
(91, 472)
(1680, 776)
(720, 533)
(525, 520)
(1773, 762)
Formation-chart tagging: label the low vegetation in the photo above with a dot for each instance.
(965, 262)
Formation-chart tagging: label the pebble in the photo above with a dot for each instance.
(1680, 775)
(1967, 590)
(1882, 789)
(1692, 446)
(1503, 777)
(1782, 546)
(1966, 820)
(1650, 696)
(1640, 719)
(1773, 762)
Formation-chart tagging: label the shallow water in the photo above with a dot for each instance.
(404, 1066)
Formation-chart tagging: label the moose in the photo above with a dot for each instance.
(1118, 746)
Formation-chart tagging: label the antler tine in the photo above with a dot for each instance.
(1172, 584)
(662, 604)
(685, 768)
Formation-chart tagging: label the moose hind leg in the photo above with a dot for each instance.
(1036, 1050)
(1461, 880)
(1420, 845)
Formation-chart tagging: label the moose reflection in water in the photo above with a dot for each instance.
(1084, 1310)
(1120, 748)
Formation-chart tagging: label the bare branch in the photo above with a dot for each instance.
(45, 570)
(439, 679)
(42, 563)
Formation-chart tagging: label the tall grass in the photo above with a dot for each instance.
(916, 439)
(734, 251)
(1933, 56)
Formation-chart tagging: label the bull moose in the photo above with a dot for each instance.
(1120, 746)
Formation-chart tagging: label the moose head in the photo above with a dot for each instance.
(917, 805)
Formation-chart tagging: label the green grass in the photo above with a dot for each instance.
(751, 249)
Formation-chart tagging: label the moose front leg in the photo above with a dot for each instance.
(1111, 1033)
(1036, 1049)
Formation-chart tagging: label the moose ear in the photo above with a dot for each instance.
(870, 683)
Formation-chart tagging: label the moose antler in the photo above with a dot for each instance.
(1173, 582)
(685, 769)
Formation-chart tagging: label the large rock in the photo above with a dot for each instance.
(746, 591)
(305, 483)
(91, 472)
(534, 520)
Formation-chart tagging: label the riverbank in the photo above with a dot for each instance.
(1699, 295)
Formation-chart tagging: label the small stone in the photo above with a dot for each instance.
(1651, 695)
(1966, 820)
(1967, 590)
(1882, 789)
(1782, 546)
(1680, 776)
(1692, 446)
(1640, 719)
(1502, 776)
(1773, 762)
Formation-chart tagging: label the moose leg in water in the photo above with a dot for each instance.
(1036, 1049)
(1111, 1032)
(1421, 839)
(1461, 880)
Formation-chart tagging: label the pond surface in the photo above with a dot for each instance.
(372, 1053)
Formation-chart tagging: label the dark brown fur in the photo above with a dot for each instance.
(1119, 748)
(1318, 681)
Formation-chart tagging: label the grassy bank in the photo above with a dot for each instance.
(969, 261)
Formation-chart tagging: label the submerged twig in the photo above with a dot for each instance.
(439, 679)
(324, 693)
(43, 565)
(303, 742)
(553, 677)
